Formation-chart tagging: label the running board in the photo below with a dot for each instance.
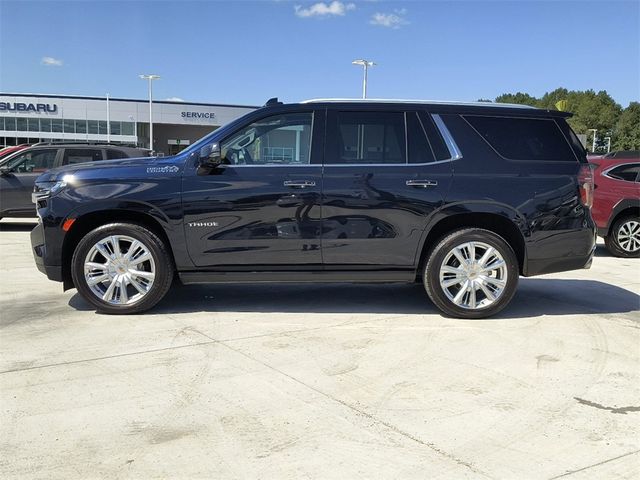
(403, 276)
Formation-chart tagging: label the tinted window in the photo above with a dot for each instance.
(419, 149)
(9, 123)
(45, 124)
(21, 124)
(81, 126)
(56, 125)
(523, 138)
(81, 155)
(369, 137)
(33, 162)
(628, 173)
(440, 149)
(127, 128)
(115, 154)
(34, 124)
(115, 128)
(279, 139)
(69, 126)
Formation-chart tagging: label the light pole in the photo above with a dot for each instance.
(366, 64)
(151, 77)
(608, 139)
(108, 121)
(593, 144)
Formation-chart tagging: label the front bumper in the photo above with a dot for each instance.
(39, 250)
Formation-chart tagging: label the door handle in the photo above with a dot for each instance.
(299, 183)
(422, 183)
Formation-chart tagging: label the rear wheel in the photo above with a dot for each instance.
(624, 237)
(122, 268)
(471, 273)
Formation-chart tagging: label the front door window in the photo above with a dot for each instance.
(276, 140)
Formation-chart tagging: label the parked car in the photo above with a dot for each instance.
(462, 197)
(616, 205)
(635, 154)
(6, 151)
(19, 171)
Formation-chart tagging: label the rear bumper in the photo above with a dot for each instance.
(564, 251)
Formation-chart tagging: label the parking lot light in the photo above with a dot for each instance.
(150, 77)
(366, 64)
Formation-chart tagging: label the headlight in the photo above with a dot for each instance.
(42, 190)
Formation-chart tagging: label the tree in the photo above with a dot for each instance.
(627, 129)
(519, 98)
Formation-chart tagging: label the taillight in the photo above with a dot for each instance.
(585, 183)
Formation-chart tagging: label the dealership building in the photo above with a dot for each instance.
(32, 118)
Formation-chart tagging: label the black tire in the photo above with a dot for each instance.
(612, 242)
(441, 252)
(162, 259)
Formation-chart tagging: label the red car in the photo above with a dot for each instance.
(4, 152)
(616, 204)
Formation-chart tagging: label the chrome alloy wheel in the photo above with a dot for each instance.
(629, 236)
(119, 270)
(473, 275)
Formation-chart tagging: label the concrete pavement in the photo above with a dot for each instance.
(320, 381)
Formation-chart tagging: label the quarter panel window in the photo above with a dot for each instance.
(368, 138)
(627, 173)
(523, 138)
(276, 140)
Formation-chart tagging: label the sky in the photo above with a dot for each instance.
(244, 52)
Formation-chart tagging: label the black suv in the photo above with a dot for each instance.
(463, 197)
(18, 171)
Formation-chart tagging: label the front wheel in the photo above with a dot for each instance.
(624, 238)
(471, 273)
(122, 268)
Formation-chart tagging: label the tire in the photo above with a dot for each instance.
(444, 278)
(122, 285)
(624, 237)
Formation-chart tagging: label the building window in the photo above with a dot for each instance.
(102, 127)
(128, 128)
(81, 126)
(33, 124)
(92, 126)
(56, 125)
(21, 124)
(1, 123)
(45, 124)
(69, 126)
(115, 128)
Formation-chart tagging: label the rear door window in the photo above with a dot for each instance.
(115, 154)
(81, 155)
(523, 138)
(362, 138)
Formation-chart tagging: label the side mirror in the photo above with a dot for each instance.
(210, 156)
(5, 172)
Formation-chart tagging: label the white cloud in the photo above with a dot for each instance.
(390, 20)
(51, 62)
(322, 9)
(174, 99)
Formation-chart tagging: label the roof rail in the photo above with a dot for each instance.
(89, 142)
(426, 102)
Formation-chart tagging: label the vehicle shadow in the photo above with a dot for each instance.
(23, 226)
(534, 297)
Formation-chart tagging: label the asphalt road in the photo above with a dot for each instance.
(320, 381)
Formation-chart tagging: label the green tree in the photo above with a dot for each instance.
(519, 98)
(626, 135)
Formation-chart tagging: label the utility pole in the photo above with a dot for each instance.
(108, 121)
(593, 144)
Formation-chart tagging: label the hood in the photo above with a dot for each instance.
(126, 167)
